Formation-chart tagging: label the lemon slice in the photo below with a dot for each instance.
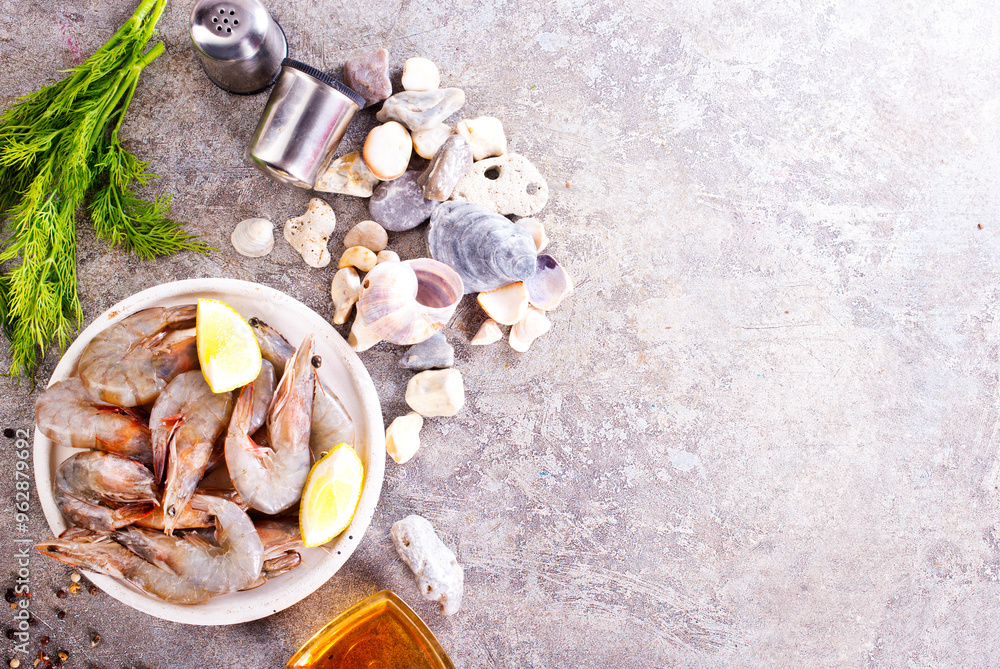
(227, 348)
(331, 495)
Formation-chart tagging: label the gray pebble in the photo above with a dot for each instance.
(452, 161)
(368, 75)
(400, 204)
(433, 353)
(421, 110)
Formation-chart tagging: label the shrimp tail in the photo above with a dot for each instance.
(132, 513)
(175, 358)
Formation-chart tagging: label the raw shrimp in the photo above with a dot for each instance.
(69, 416)
(282, 543)
(232, 563)
(273, 347)
(263, 393)
(185, 421)
(96, 552)
(331, 424)
(103, 491)
(270, 477)
(191, 517)
(131, 362)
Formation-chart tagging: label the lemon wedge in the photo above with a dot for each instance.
(331, 495)
(227, 348)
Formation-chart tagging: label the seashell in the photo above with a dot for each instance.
(436, 392)
(344, 290)
(253, 237)
(309, 233)
(387, 150)
(427, 142)
(488, 333)
(369, 234)
(402, 437)
(360, 257)
(420, 74)
(507, 304)
(348, 175)
(407, 302)
(507, 184)
(368, 74)
(448, 166)
(420, 110)
(486, 249)
(536, 230)
(400, 204)
(550, 284)
(528, 329)
(433, 353)
(485, 135)
(361, 337)
(387, 256)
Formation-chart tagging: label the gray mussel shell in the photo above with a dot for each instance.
(486, 249)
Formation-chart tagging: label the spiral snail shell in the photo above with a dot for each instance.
(407, 302)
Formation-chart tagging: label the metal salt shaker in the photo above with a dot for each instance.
(238, 43)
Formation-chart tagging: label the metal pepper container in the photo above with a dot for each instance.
(238, 43)
(303, 122)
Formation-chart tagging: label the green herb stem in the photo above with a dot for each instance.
(58, 146)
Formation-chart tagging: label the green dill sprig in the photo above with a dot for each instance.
(59, 148)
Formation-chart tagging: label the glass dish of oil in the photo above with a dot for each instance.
(380, 631)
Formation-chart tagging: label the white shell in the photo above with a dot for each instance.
(436, 392)
(485, 135)
(402, 437)
(407, 302)
(309, 233)
(344, 290)
(387, 150)
(360, 257)
(506, 304)
(369, 234)
(488, 333)
(387, 256)
(536, 230)
(361, 338)
(528, 329)
(348, 175)
(420, 74)
(427, 142)
(253, 237)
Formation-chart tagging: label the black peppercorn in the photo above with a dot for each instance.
(44, 641)
(61, 594)
(60, 614)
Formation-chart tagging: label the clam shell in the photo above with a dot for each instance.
(528, 329)
(488, 333)
(486, 249)
(253, 237)
(407, 302)
(507, 304)
(550, 284)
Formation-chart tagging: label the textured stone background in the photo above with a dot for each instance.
(763, 431)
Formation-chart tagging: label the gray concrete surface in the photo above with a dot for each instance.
(763, 431)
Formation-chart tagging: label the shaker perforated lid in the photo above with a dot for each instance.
(238, 43)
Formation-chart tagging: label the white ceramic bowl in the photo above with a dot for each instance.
(341, 369)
